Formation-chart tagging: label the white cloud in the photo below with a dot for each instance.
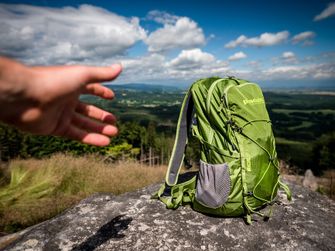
(306, 37)
(145, 68)
(288, 55)
(254, 64)
(183, 33)
(214, 68)
(188, 66)
(265, 39)
(234, 43)
(41, 35)
(237, 56)
(328, 12)
(311, 71)
(162, 17)
(286, 58)
(189, 59)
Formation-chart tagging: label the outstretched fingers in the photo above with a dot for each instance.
(95, 113)
(98, 90)
(93, 126)
(85, 137)
(89, 131)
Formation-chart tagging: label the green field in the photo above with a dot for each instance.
(288, 111)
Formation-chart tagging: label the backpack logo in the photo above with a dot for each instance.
(253, 101)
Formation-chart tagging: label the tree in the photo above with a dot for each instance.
(10, 142)
(324, 153)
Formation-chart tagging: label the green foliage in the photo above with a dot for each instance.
(130, 132)
(151, 134)
(324, 153)
(127, 145)
(122, 152)
(11, 142)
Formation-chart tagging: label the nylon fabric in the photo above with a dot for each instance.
(239, 170)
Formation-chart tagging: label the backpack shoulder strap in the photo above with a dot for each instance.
(178, 152)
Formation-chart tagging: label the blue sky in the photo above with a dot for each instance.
(275, 43)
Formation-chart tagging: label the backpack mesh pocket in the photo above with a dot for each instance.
(213, 185)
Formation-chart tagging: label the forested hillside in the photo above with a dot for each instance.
(303, 124)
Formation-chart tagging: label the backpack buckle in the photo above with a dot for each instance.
(230, 122)
(234, 126)
(238, 129)
(194, 121)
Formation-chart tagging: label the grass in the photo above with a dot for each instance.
(291, 142)
(304, 124)
(40, 189)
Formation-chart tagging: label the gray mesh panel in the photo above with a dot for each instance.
(213, 185)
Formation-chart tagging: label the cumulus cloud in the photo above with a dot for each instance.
(305, 37)
(41, 35)
(188, 66)
(177, 32)
(189, 59)
(287, 57)
(237, 56)
(145, 68)
(288, 54)
(254, 64)
(328, 12)
(312, 71)
(205, 70)
(265, 39)
(157, 68)
(162, 17)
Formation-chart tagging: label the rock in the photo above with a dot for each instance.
(133, 221)
(310, 180)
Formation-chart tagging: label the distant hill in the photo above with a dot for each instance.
(145, 87)
(271, 85)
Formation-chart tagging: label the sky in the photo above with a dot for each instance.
(275, 43)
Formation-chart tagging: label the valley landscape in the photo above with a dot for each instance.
(43, 175)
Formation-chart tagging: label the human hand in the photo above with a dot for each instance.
(45, 100)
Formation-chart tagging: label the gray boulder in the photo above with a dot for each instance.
(133, 221)
(310, 180)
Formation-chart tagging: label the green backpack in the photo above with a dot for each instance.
(239, 172)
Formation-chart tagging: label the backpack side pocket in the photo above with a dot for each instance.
(213, 185)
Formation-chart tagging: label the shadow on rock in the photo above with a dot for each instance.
(112, 229)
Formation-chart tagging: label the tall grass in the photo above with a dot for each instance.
(40, 189)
